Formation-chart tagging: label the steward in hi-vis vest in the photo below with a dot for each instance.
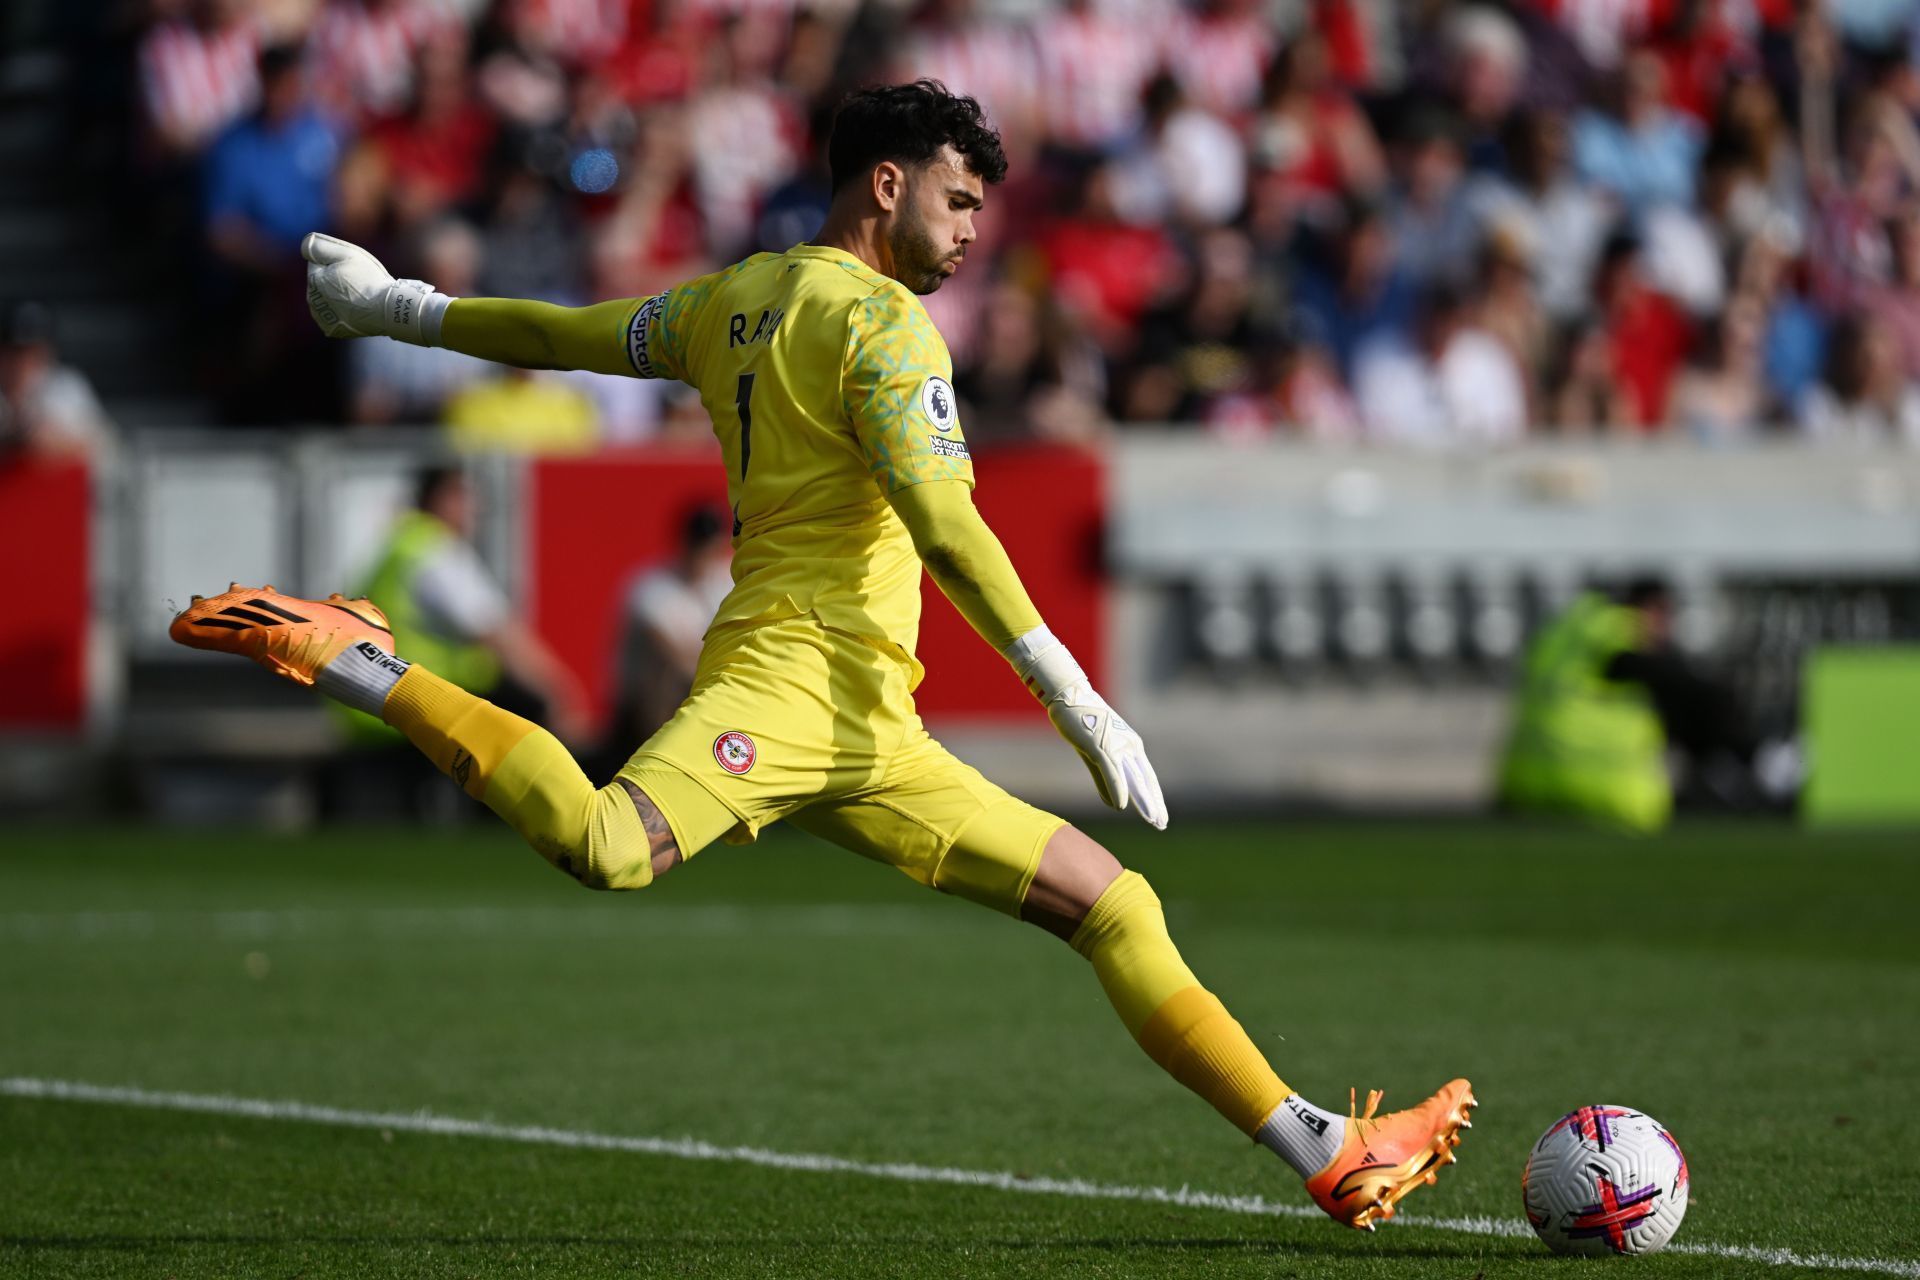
(446, 609)
(1587, 742)
(416, 539)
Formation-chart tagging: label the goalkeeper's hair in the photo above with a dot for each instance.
(908, 124)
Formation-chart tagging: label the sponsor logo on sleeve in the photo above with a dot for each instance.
(937, 402)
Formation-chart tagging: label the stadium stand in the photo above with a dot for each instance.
(1218, 210)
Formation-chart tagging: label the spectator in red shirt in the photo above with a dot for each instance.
(1649, 334)
(1309, 141)
(435, 154)
(1349, 37)
(1699, 46)
(1102, 270)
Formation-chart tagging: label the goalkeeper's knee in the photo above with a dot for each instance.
(1179, 1023)
(595, 836)
(608, 848)
(521, 772)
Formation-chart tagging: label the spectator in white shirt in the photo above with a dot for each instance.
(45, 406)
(1561, 220)
(1864, 397)
(667, 611)
(1454, 384)
(438, 592)
(1186, 165)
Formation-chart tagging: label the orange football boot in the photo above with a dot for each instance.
(288, 636)
(1383, 1160)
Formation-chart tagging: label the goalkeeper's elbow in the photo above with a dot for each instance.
(947, 565)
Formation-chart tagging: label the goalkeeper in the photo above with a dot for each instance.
(847, 472)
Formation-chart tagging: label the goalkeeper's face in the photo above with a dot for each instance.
(933, 224)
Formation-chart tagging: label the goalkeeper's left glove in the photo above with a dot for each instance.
(352, 296)
(1113, 752)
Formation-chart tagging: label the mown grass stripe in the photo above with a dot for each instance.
(695, 1149)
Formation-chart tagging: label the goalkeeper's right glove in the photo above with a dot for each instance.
(352, 296)
(1112, 751)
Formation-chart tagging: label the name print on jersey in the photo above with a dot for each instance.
(762, 332)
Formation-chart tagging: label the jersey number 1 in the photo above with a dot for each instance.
(743, 401)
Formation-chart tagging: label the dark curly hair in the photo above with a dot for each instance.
(908, 124)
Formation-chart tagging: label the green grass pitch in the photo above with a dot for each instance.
(1754, 987)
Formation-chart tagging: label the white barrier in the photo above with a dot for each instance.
(1287, 621)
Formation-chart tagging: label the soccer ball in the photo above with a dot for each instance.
(1605, 1180)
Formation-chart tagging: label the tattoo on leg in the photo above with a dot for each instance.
(660, 843)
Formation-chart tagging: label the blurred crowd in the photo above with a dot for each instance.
(1420, 222)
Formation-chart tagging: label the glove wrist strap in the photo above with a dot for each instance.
(414, 311)
(432, 311)
(1043, 663)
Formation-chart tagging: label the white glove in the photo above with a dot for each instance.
(1113, 752)
(352, 296)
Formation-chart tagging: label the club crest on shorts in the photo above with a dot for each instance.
(936, 401)
(734, 751)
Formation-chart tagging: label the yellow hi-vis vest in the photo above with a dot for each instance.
(416, 537)
(1584, 745)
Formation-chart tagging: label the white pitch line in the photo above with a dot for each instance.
(694, 1149)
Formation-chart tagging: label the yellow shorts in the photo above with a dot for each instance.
(798, 721)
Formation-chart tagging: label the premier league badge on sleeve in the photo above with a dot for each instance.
(937, 402)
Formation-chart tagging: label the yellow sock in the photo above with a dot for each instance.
(523, 773)
(1181, 1025)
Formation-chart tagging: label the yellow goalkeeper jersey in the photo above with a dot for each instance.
(829, 389)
